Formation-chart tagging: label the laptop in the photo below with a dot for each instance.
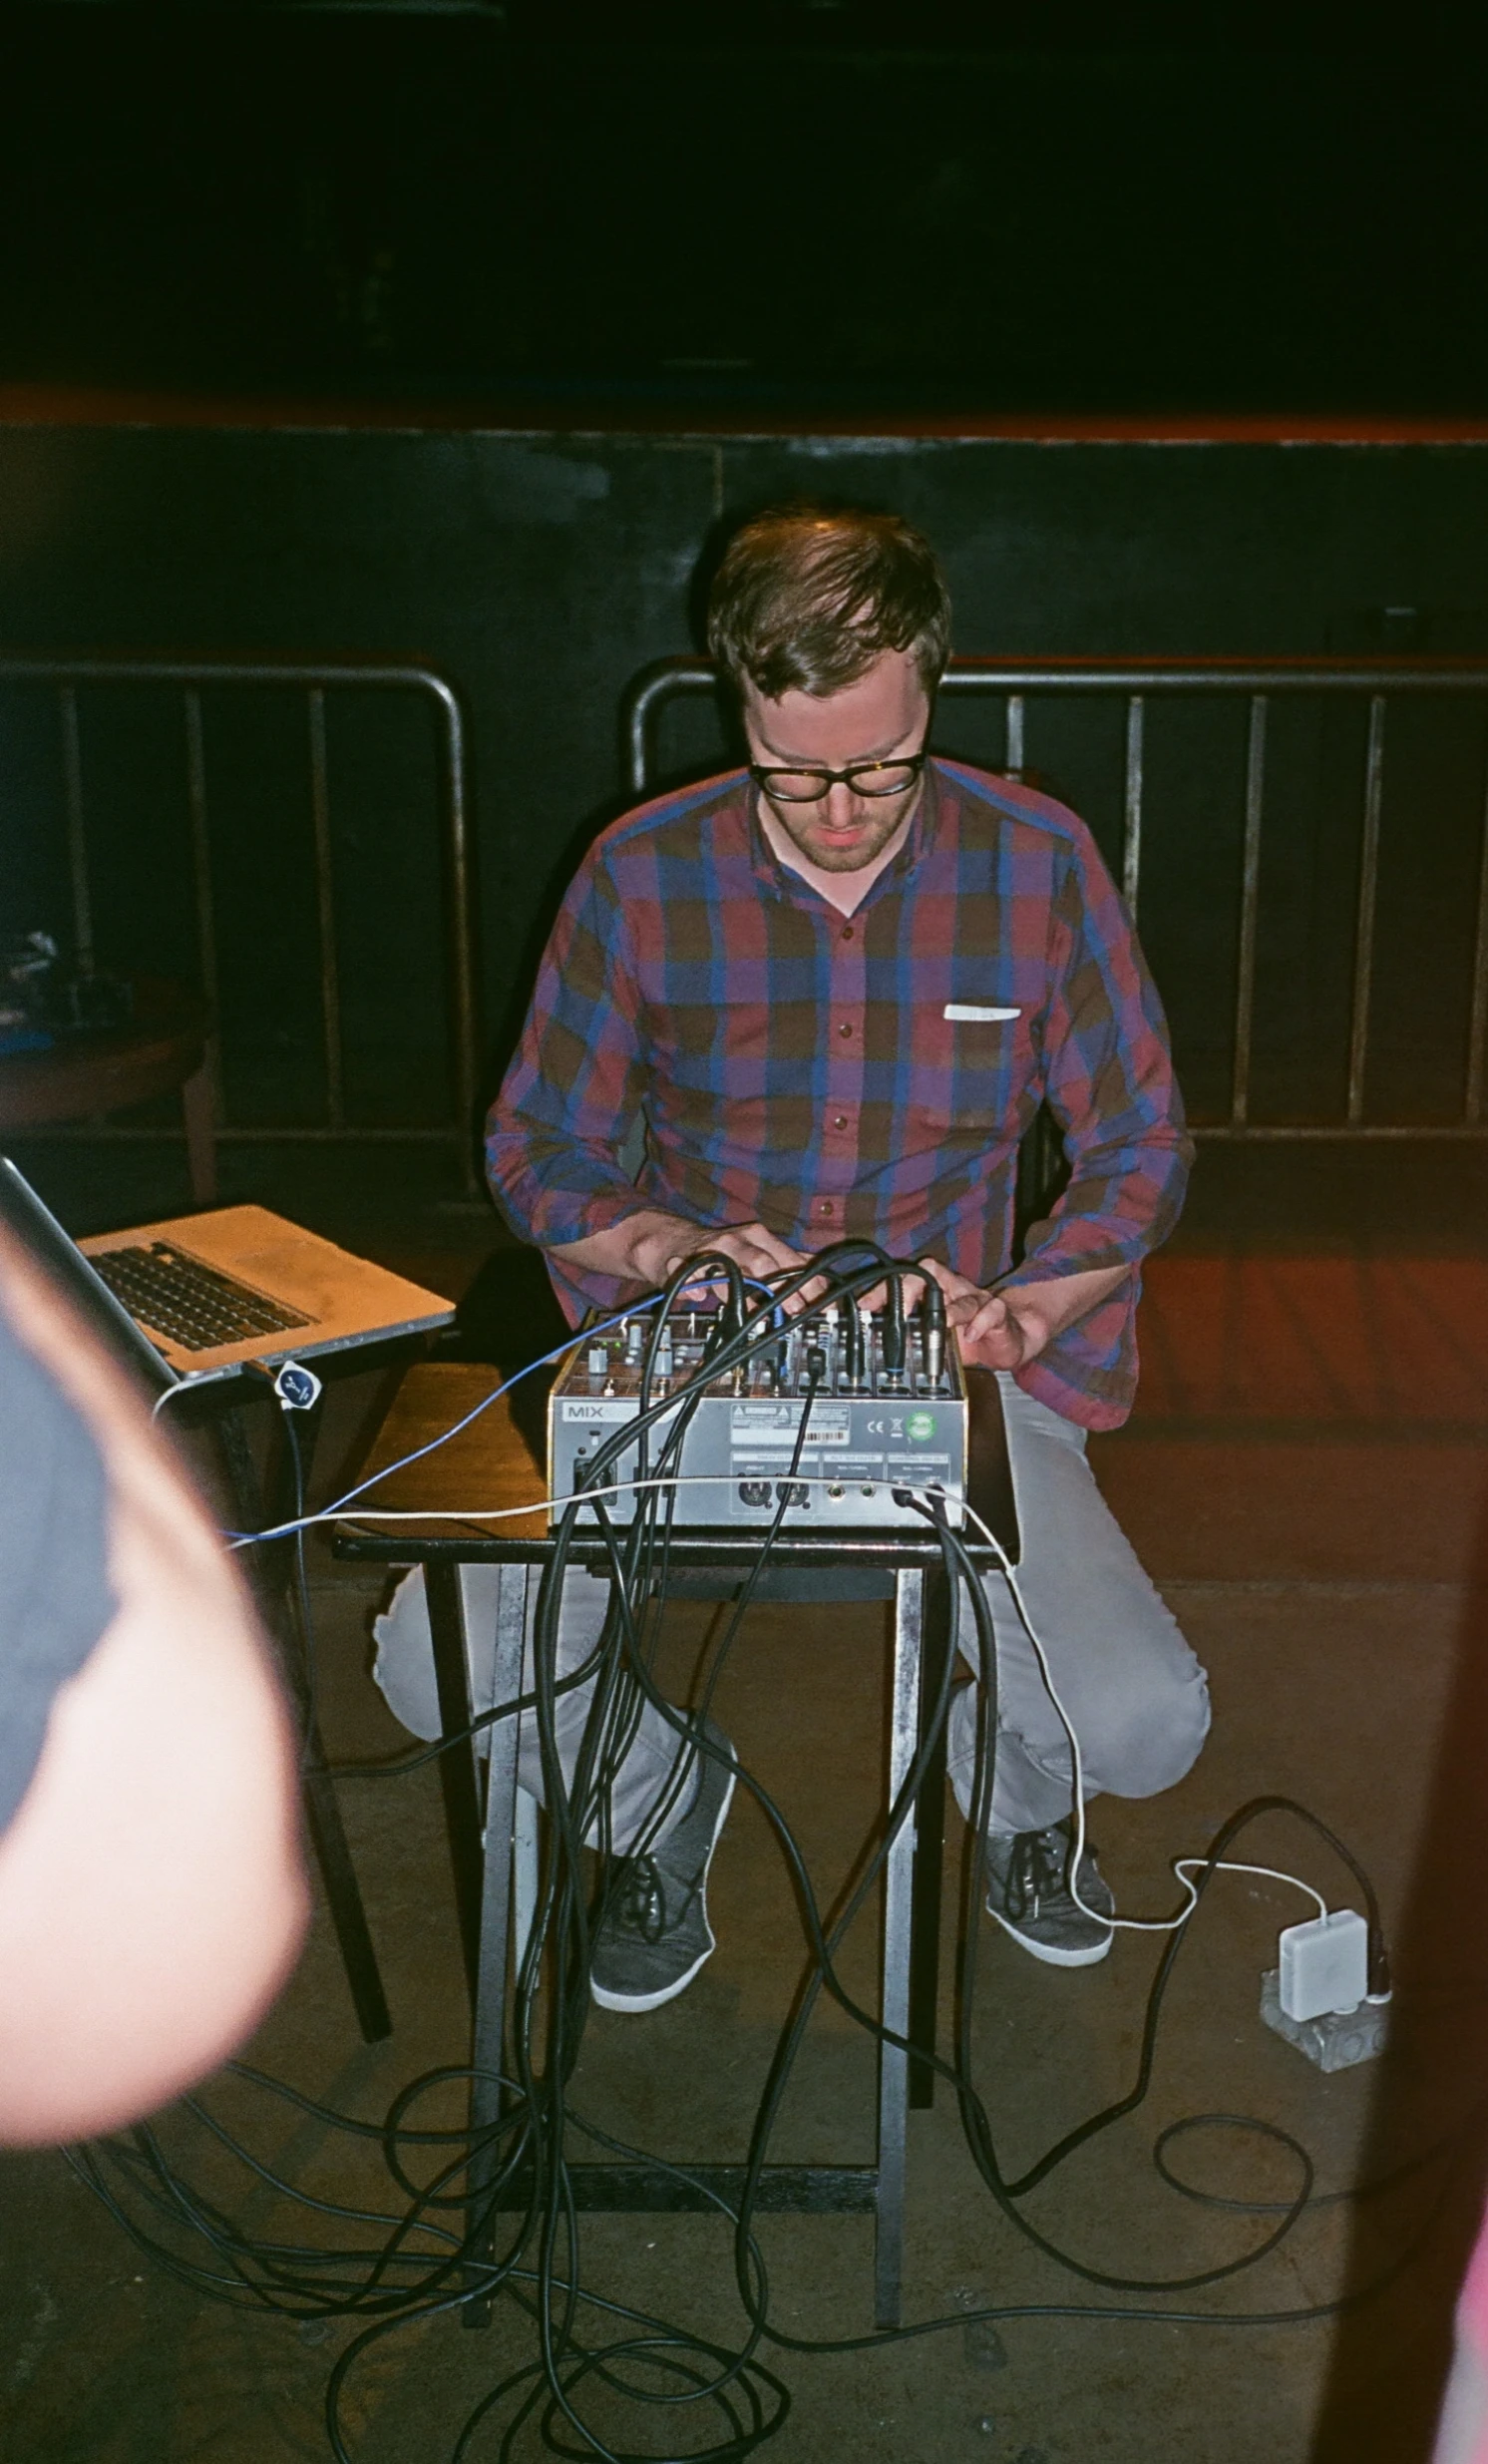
(202, 1297)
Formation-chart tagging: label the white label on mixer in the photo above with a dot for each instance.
(607, 1407)
(779, 1424)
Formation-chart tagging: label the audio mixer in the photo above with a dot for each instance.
(888, 1412)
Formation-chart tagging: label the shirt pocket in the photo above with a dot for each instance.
(968, 1061)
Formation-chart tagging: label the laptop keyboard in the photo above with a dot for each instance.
(195, 1304)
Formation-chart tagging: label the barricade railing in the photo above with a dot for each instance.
(1375, 682)
(67, 676)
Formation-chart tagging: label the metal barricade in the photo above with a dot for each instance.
(315, 679)
(1142, 683)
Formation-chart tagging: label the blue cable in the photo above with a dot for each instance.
(281, 1532)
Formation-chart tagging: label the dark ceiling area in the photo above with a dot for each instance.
(792, 205)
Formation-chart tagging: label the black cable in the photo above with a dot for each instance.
(689, 1728)
(978, 2133)
(520, 2159)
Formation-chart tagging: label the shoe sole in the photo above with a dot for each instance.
(652, 2001)
(668, 1993)
(1048, 1954)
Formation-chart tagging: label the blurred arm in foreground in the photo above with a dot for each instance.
(151, 1894)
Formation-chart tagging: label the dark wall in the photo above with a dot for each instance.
(1193, 203)
(540, 572)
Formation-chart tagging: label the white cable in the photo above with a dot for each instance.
(485, 1514)
(1180, 1866)
(1127, 1925)
(538, 1506)
(583, 1335)
(1183, 1866)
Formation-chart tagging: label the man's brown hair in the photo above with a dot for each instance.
(807, 599)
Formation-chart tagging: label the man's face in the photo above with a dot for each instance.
(881, 717)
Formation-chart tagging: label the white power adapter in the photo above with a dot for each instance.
(1325, 1965)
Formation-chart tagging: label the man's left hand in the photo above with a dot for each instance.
(991, 1333)
(1001, 1331)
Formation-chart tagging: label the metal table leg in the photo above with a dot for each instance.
(487, 2096)
(525, 1859)
(278, 1606)
(899, 1889)
(930, 1842)
(459, 1777)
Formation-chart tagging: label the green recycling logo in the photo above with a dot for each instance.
(920, 1425)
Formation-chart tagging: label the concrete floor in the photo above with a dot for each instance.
(1308, 1479)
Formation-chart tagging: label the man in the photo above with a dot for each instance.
(836, 987)
(151, 1892)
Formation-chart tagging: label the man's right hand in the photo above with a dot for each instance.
(648, 1247)
(760, 1252)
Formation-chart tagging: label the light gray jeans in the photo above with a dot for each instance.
(1134, 1692)
(404, 1667)
(1136, 1696)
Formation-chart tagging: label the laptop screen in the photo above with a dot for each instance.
(39, 1232)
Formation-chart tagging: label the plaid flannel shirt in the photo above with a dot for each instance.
(869, 1075)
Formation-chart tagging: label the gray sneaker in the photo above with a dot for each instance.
(1029, 1894)
(654, 1933)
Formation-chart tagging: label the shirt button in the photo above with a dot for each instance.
(839, 1120)
(847, 932)
(826, 1207)
(844, 1029)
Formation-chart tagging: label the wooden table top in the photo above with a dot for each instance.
(490, 1465)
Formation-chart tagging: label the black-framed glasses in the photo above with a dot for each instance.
(863, 778)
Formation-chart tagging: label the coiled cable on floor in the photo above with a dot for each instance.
(492, 2213)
